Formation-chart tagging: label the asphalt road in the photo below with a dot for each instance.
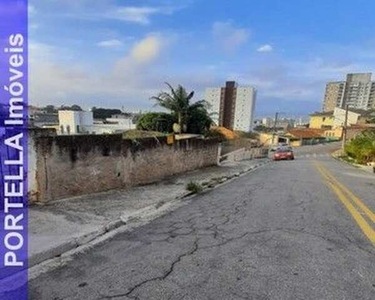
(285, 231)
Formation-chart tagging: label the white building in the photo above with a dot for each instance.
(75, 122)
(122, 119)
(244, 109)
(232, 106)
(82, 122)
(267, 122)
(213, 96)
(339, 117)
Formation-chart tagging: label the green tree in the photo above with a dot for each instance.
(199, 120)
(177, 101)
(261, 128)
(161, 122)
(50, 109)
(104, 113)
(191, 117)
(74, 107)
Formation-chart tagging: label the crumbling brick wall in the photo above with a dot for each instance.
(75, 165)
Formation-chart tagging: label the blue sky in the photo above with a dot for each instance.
(119, 53)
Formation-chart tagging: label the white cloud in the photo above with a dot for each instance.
(40, 51)
(147, 49)
(139, 15)
(34, 26)
(229, 36)
(265, 48)
(31, 10)
(129, 78)
(110, 44)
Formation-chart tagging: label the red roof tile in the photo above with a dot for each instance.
(306, 133)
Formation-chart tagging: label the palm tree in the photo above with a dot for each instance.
(193, 116)
(177, 101)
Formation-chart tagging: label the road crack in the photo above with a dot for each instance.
(158, 278)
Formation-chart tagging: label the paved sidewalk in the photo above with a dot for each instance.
(67, 224)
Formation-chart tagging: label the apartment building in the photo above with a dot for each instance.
(358, 91)
(334, 95)
(232, 106)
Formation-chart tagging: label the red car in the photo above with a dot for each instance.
(286, 153)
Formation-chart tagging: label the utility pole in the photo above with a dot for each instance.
(344, 130)
(274, 128)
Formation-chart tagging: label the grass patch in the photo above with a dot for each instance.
(138, 134)
(194, 187)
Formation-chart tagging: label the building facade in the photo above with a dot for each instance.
(74, 122)
(358, 91)
(324, 120)
(82, 122)
(334, 95)
(232, 106)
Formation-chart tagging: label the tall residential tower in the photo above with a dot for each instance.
(232, 106)
(358, 91)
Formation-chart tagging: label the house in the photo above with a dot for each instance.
(367, 117)
(322, 120)
(356, 130)
(340, 115)
(265, 138)
(334, 121)
(334, 134)
(303, 136)
(355, 116)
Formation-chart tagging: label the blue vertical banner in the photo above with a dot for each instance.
(13, 149)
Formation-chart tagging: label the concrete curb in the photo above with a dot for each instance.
(360, 167)
(73, 243)
(125, 222)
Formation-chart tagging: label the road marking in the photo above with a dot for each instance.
(353, 197)
(312, 155)
(362, 223)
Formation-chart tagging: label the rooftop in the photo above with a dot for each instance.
(362, 112)
(306, 133)
(324, 113)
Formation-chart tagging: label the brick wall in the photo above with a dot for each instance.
(67, 166)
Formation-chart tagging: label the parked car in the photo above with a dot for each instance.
(283, 153)
(287, 147)
(273, 148)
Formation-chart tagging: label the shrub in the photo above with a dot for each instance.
(161, 122)
(215, 134)
(362, 147)
(248, 135)
(194, 187)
